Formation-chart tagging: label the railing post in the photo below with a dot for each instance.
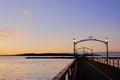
(113, 62)
(102, 60)
(118, 64)
(105, 60)
(110, 62)
(64, 78)
(69, 73)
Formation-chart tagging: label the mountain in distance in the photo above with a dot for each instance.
(45, 54)
(55, 54)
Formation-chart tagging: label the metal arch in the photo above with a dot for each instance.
(91, 40)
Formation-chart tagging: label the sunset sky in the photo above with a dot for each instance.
(41, 26)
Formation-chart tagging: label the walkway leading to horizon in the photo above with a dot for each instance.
(88, 70)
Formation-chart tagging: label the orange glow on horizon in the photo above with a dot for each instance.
(56, 49)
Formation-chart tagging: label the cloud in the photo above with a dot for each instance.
(6, 33)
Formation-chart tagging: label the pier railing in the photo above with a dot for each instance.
(114, 62)
(68, 73)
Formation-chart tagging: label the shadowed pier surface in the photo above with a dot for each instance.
(88, 70)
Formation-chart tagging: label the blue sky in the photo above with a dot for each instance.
(48, 25)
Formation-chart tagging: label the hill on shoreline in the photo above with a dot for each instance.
(50, 54)
(45, 54)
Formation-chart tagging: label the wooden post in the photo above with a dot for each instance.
(118, 64)
(113, 62)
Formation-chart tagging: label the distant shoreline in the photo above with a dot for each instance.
(49, 54)
(65, 54)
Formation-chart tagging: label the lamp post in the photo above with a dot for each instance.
(107, 49)
(74, 47)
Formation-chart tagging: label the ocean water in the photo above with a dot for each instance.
(110, 54)
(19, 68)
(103, 54)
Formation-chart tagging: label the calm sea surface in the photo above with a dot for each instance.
(103, 54)
(19, 68)
(111, 54)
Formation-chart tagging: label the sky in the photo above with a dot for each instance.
(42, 26)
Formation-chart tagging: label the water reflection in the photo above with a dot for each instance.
(31, 69)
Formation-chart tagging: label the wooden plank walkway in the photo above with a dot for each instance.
(88, 70)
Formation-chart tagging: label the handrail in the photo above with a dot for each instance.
(114, 62)
(68, 73)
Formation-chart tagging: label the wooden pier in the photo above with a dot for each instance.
(91, 69)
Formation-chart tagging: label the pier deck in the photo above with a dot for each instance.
(88, 70)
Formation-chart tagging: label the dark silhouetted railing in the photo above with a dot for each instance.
(115, 62)
(68, 73)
